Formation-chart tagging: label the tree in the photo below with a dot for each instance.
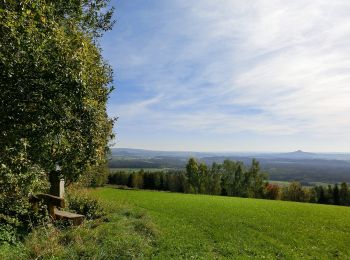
(239, 181)
(54, 86)
(214, 179)
(232, 176)
(294, 192)
(54, 83)
(321, 197)
(95, 175)
(256, 181)
(192, 173)
(137, 179)
(149, 181)
(236, 180)
(272, 191)
(329, 194)
(344, 194)
(203, 179)
(313, 195)
(336, 195)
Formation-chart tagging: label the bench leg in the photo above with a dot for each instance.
(52, 211)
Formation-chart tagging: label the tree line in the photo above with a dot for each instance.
(230, 178)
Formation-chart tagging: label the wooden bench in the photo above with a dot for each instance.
(76, 219)
(52, 203)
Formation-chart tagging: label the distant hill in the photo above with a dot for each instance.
(298, 155)
(142, 153)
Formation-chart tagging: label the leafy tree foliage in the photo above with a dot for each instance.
(321, 195)
(171, 180)
(54, 85)
(229, 178)
(54, 82)
(336, 195)
(19, 178)
(95, 175)
(344, 198)
(213, 180)
(192, 174)
(295, 192)
(272, 192)
(333, 195)
(238, 181)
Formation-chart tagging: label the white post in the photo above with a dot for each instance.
(61, 188)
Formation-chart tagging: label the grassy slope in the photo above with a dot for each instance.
(125, 232)
(203, 226)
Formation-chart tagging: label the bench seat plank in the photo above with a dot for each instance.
(76, 218)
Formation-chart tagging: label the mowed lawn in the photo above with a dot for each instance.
(209, 227)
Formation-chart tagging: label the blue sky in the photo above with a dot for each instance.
(227, 75)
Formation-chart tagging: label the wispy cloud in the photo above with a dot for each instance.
(227, 67)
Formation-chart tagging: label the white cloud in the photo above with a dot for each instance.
(288, 60)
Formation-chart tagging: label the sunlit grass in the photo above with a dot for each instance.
(201, 226)
(123, 233)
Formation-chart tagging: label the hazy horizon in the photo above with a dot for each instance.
(236, 76)
(228, 151)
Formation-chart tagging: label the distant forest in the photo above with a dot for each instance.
(231, 178)
(306, 171)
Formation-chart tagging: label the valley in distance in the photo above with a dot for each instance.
(307, 168)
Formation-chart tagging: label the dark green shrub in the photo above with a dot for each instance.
(81, 203)
(7, 234)
(19, 179)
(120, 178)
(95, 176)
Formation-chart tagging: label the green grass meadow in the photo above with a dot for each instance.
(214, 227)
